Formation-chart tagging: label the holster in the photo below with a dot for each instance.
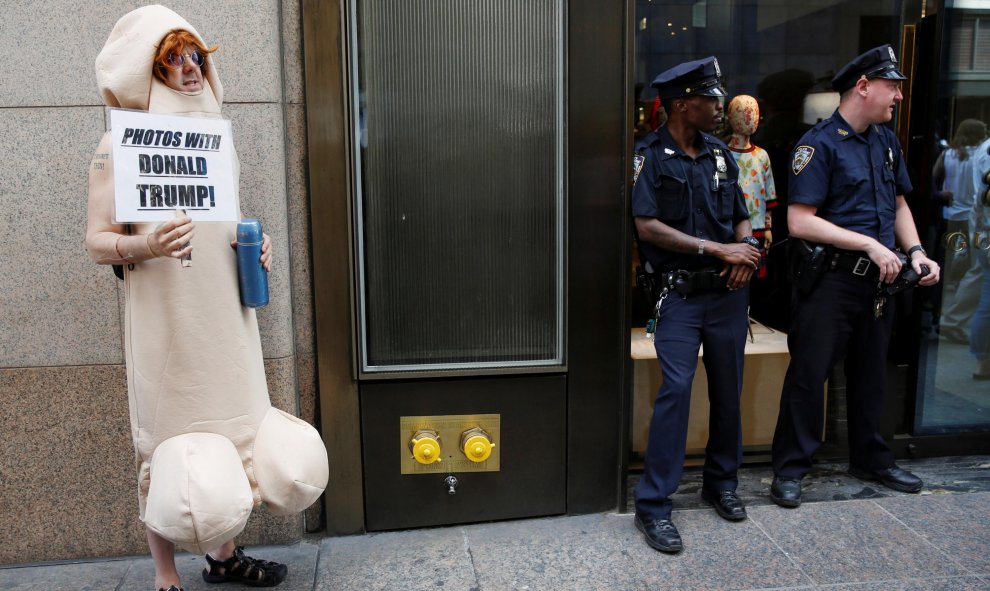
(648, 285)
(809, 261)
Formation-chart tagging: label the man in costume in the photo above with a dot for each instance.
(209, 446)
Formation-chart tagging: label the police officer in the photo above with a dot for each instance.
(695, 236)
(847, 186)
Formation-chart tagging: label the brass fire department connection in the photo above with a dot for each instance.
(449, 444)
(476, 444)
(425, 446)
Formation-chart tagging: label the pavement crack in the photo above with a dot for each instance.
(470, 555)
(123, 578)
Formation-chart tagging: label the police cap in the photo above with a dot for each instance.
(879, 62)
(700, 77)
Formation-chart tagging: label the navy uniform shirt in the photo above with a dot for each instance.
(852, 179)
(681, 192)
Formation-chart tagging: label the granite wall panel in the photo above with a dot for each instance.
(58, 307)
(64, 37)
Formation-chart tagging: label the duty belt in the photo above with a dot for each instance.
(691, 282)
(855, 262)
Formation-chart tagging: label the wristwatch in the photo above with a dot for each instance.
(752, 241)
(915, 249)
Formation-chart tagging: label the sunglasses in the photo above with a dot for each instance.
(177, 60)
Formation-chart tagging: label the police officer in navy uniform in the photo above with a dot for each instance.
(696, 239)
(847, 187)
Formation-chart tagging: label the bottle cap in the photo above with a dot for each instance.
(249, 231)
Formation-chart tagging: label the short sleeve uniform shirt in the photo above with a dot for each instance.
(852, 179)
(697, 196)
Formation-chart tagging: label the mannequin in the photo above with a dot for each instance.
(755, 174)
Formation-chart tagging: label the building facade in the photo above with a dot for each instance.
(446, 187)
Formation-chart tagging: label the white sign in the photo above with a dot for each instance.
(165, 162)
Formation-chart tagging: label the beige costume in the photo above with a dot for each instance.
(208, 444)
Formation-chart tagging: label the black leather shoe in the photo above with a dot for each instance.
(894, 478)
(786, 492)
(726, 503)
(660, 534)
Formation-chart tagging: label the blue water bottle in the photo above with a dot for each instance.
(251, 276)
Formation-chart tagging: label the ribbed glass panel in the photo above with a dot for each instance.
(460, 199)
(961, 54)
(981, 51)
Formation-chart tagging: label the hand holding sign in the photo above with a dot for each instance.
(172, 238)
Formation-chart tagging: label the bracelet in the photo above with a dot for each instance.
(701, 246)
(915, 249)
(116, 246)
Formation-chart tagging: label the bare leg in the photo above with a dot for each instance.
(223, 552)
(163, 553)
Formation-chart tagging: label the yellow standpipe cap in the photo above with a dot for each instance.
(426, 449)
(478, 447)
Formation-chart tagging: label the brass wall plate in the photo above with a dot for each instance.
(450, 428)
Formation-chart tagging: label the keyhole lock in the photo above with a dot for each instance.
(451, 483)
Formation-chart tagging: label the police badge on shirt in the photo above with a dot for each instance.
(721, 169)
(802, 156)
(638, 160)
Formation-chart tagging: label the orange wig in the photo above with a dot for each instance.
(174, 42)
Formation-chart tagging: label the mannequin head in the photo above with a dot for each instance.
(744, 115)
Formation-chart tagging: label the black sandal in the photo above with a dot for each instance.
(244, 569)
(171, 588)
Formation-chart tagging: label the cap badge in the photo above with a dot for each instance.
(890, 50)
(718, 72)
(802, 156)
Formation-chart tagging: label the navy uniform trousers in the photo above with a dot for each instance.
(718, 320)
(835, 319)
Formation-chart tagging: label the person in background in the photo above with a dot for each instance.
(953, 174)
(979, 245)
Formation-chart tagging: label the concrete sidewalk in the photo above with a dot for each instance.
(868, 540)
